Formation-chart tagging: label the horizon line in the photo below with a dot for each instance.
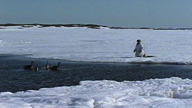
(94, 26)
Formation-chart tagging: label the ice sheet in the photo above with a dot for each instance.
(154, 93)
(108, 45)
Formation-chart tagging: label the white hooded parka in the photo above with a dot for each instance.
(139, 50)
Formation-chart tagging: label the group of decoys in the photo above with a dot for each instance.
(47, 66)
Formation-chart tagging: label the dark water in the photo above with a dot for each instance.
(14, 78)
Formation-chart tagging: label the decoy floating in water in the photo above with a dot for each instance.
(29, 67)
(56, 67)
(36, 68)
(47, 66)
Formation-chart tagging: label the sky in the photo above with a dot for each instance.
(114, 13)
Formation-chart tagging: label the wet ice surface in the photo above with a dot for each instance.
(146, 84)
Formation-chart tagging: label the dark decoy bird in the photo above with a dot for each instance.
(56, 67)
(36, 68)
(29, 67)
(47, 66)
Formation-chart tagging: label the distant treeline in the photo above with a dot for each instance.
(93, 26)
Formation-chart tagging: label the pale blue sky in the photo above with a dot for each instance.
(118, 13)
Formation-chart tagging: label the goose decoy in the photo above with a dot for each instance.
(56, 67)
(29, 67)
(47, 66)
(36, 68)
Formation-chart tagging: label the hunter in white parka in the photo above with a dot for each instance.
(139, 49)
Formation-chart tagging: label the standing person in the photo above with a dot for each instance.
(139, 49)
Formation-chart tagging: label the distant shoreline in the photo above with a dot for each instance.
(92, 26)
